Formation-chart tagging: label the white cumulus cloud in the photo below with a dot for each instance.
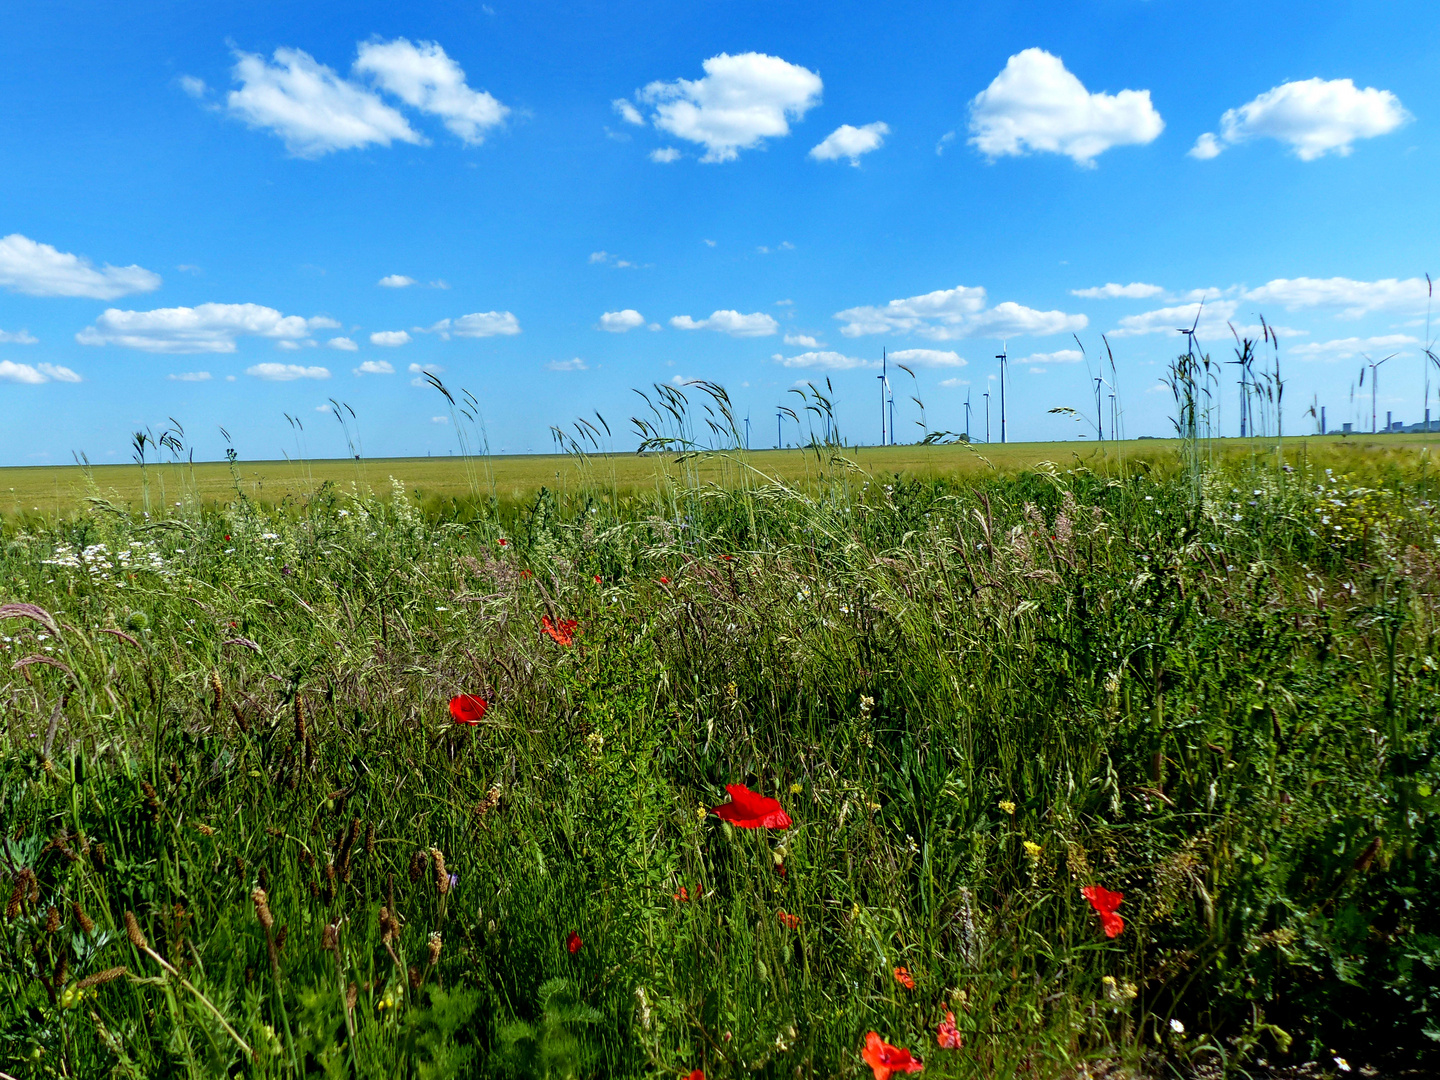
(928, 358)
(421, 370)
(1314, 117)
(627, 112)
(477, 325)
(664, 155)
(756, 324)
(1060, 356)
(189, 376)
(206, 328)
(374, 367)
(1355, 298)
(739, 103)
(575, 364)
(344, 344)
(425, 78)
(36, 269)
(1214, 320)
(953, 314)
(803, 340)
(389, 338)
(618, 322)
(18, 337)
(286, 372)
(311, 107)
(1136, 290)
(1351, 347)
(851, 142)
(35, 374)
(1207, 146)
(395, 281)
(824, 361)
(1036, 105)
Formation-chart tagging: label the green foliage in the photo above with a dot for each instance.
(972, 698)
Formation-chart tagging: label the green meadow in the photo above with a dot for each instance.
(248, 829)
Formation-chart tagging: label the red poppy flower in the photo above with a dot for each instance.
(1105, 903)
(727, 558)
(468, 708)
(683, 896)
(502, 542)
(751, 811)
(573, 942)
(695, 1074)
(664, 581)
(904, 978)
(786, 919)
(885, 1059)
(948, 1035)
(597, 582)
(563, 632)
(526, 575)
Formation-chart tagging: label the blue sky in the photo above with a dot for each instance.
(200, 203)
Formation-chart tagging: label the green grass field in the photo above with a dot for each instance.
(245, 832)
(56, 490)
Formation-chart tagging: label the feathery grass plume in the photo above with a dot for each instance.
(442, 876)
(302, 731)
(52, 920)
(61, 971)
(433, 945)
(262, 908)
(134, 933)
(102, 977)
(218, 690)
(87, 926)
(369, 838)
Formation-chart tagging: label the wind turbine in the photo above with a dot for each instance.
(986, 396)
(1099, 417)
(1190, 333)
(1003, 357)
(1243, 364)
(778, 415)
(747, 431)
(967, 415)
(884, 382)
(1374, 366)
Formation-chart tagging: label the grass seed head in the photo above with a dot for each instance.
(262, 908)
(134, 933)
(52, 920)
(442, 876)
(433, 946)
(87, 926)
(101, 977)
(218, 690)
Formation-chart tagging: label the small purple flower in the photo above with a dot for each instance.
(285, 571)
(454, 880)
